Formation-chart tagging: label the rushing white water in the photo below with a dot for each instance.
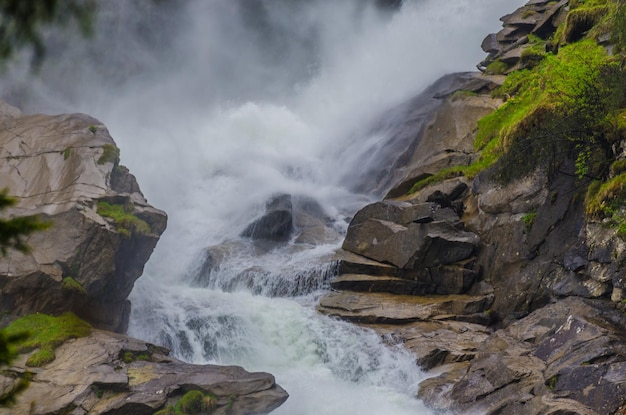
(225, 103)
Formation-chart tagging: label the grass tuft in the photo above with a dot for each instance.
(70, 284)
(110, 154)
(125, 221)
(46, 333)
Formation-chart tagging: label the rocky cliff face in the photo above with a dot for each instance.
(66, 169)
(508, 291)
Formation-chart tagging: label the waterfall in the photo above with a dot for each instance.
(219, 106)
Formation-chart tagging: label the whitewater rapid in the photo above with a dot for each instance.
(217, 106)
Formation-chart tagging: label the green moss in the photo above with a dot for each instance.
(529, 220)
(191, 402)
(497, 67)
(66, 153)
(196, 402)
(607, 201)
(128, 356)
(70, 284)
(618, 167)
(535, 52)
(93, 129)
(41, 357)
(581, 20)
(488, 157)
(551, 383)
(125, 221)
(528, 13)
(46, 333)
(604, 200)
(462, 94)
(110, 154)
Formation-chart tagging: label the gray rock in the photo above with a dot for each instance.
(415, 246)
(277, 222)
(106, 373)
(61, 167)
(490, 44)
(568, 356)
(380, 308)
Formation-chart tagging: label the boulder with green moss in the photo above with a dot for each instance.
(66, 169)
(106, 373)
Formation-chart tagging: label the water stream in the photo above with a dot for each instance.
(217, 106)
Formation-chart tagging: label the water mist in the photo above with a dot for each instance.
(217, 106)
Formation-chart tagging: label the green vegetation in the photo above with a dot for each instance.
(608, 201)
(582, 20)
(93, 129)
(529, 220)
(565, 106)
(193, 402)
(110, 154)
(45, 333)
(461, 94)
(551, 383)
(23, 22)
(125, 221)
(129, 356)
(567, 103)
(497, 68)
(13, 231)
(535, 52)
(66, 153)
(71, 285)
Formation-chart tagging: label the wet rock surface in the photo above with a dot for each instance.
(530, 320)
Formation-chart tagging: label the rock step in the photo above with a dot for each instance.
(381, 284)
(382, 308)
(349, 263)
(436, 343)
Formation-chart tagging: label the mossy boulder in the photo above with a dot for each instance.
(64, 168)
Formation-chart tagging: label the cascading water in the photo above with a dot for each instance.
(219, 106)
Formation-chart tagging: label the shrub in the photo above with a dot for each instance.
(110, 154)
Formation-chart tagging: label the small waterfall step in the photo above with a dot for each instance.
(383, 308)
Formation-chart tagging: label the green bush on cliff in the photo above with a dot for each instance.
(46, 333)
(13, 231)
(125, 221)
(607, 201)
(110, 154)
(566, 106)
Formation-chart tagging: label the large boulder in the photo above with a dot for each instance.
(66, 169)
(277, 222)
(106, 373)
(422, 241)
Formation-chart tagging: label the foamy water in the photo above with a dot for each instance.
(220, 104)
